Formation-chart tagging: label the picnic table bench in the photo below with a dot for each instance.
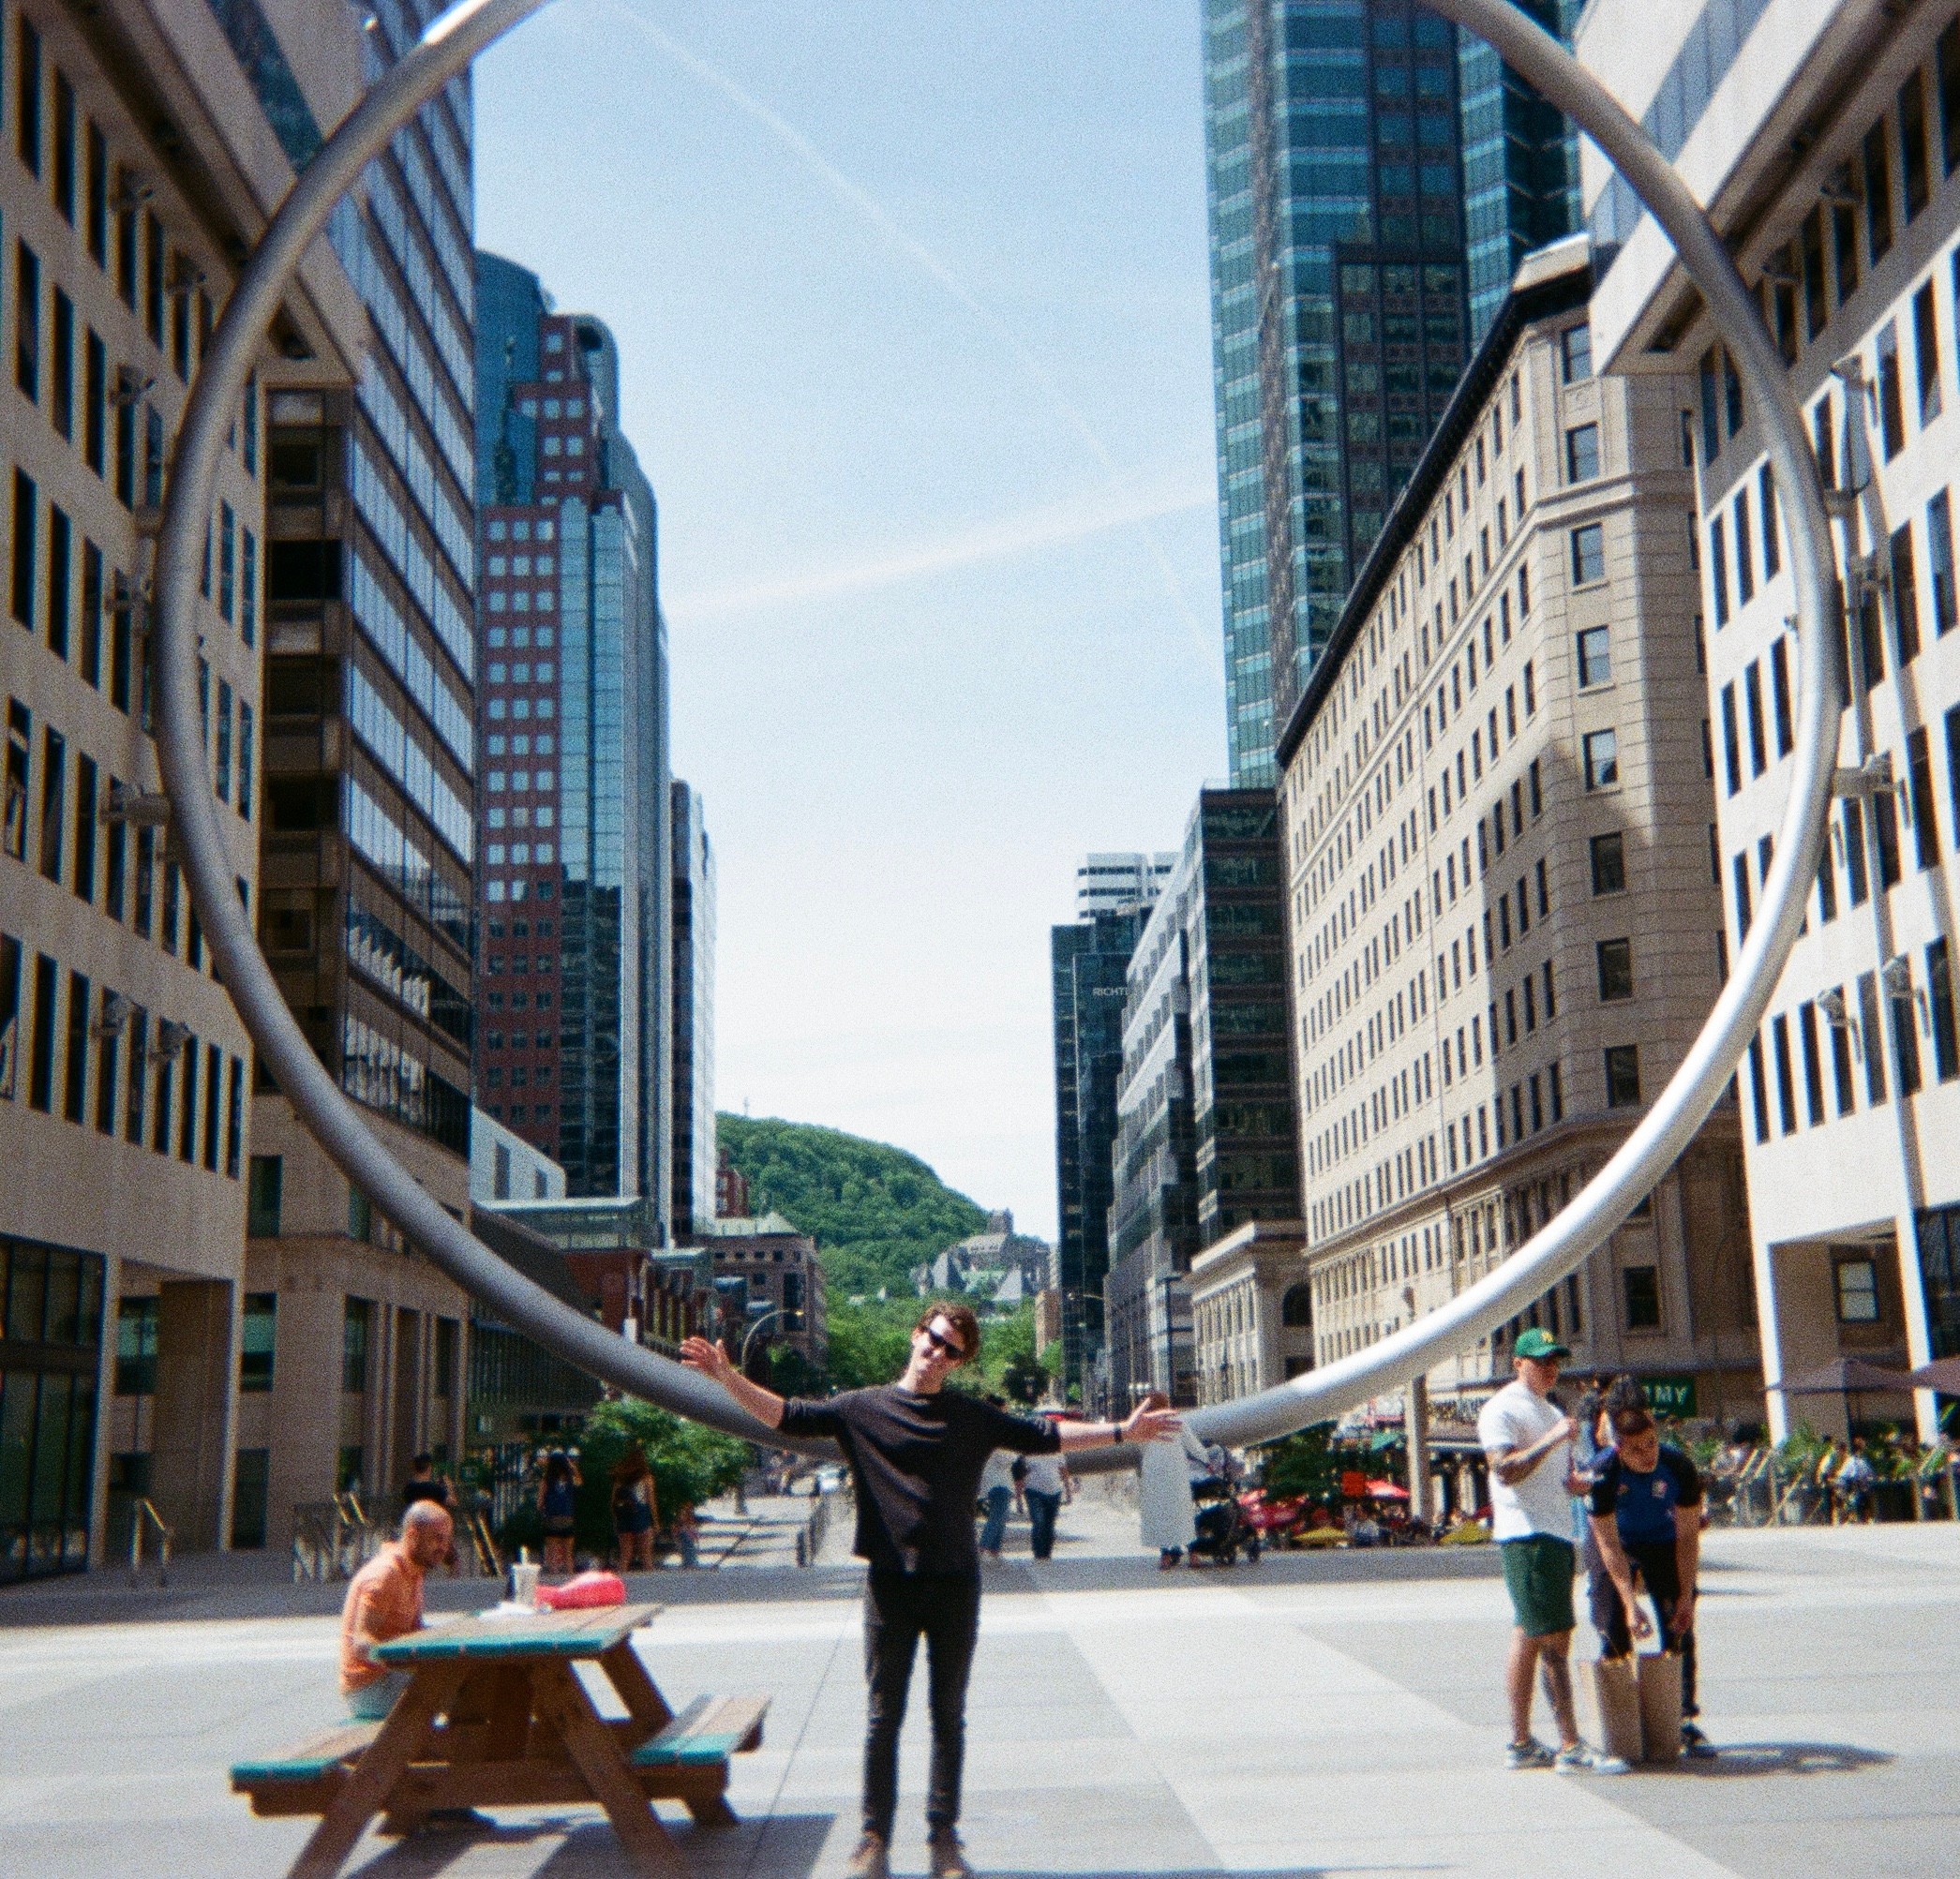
(495, 1716)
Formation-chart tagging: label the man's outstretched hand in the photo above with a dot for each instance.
(1146, 1424)
(703, 1355)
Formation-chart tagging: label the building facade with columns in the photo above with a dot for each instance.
(1826, 138)
(1498, 814)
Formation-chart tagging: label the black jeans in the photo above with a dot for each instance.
(898, 1611)
(1658, 1565)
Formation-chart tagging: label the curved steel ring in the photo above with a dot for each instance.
(1557, 1249)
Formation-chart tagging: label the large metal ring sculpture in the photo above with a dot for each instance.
(1555, 1250)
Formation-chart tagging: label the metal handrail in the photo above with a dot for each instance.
(1558, 1248)
(146, 1510)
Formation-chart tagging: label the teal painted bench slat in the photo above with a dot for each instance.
(708, 1730)
(311, 1760)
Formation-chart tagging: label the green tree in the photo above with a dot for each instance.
(1302, 1463)
(875, 1212)
(869, 1342)
(690, 1463)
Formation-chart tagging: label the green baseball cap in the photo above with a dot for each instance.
(1539, 1344)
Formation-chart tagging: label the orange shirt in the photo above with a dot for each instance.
(383, 1601)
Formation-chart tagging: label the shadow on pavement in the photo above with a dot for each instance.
(784, 1846)
(1786, 1758)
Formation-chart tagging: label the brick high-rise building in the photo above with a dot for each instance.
(575, 879)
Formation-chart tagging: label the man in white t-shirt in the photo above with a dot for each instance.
(1528, 1440)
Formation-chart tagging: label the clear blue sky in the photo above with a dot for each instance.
(912, 306)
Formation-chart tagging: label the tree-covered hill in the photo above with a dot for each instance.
(873, 1211)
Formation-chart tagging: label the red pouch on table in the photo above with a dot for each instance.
(586, 1590)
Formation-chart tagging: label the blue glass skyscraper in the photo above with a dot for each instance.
(1520, 165)
(1338, 311)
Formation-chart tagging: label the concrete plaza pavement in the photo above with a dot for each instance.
(1309, 1715)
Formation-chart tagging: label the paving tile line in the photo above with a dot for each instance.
(1249, 1654)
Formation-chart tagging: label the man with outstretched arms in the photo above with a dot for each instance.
(916, 1452)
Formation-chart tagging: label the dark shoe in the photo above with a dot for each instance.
(870, 1860)
(1696, 1744)
(947, 1858)
(1529, 1754)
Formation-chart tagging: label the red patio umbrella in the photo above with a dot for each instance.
(1386, 1490)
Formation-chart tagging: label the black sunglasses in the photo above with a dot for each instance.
(944, 1346)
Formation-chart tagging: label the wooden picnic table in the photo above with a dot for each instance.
(494, 1715)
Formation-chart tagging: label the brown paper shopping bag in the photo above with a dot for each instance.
(1660, 1708)
(1616, 1706)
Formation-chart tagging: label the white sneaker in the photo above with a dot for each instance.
(1581, 1760)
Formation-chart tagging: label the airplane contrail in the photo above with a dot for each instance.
(1050, 526)
(862, 203)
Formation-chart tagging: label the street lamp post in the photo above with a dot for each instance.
(741, 1362)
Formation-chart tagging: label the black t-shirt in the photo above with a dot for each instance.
(1643, 1505)
(916, 1462)
(424, 1490)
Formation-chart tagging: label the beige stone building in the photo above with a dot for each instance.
(136, 165)
(1251, 1310)
(1506, 928)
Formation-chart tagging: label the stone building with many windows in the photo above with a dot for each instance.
(1826, 137)
(1497, 814)
(138, 164)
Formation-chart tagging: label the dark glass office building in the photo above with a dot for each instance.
(575, 877)
(1338, 311)
(1207, 1138)
(1520, 165)
(1089, 963)
(367, 845)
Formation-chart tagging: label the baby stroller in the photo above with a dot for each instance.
(1223, 1529)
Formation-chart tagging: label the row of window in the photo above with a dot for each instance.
(1855, 1024)
(58, 1029)
(97, 855)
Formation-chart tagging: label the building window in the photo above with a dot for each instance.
(1940, 996)
(1623, 1076)
(1588, 555)
(136, 1348)
(1576, 350)
(1602, 759)
(1581, 453)
(353, 1347)
(264, 1194)
(256, 1345)
(1615, 970)
(1640, 1290)
(1595, 659)
(1608, 863)
(1856, 1291)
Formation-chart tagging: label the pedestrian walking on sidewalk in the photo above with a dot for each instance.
(916, 1452)
(1528, 1438)
(1046, 1487)
(1646, 1503)
(996, 1493)
(1164, 1490)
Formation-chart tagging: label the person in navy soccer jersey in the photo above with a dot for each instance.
(1646, 1514)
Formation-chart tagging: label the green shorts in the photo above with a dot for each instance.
(1538, 1576)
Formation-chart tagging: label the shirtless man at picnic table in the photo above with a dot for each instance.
(383, 1602)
